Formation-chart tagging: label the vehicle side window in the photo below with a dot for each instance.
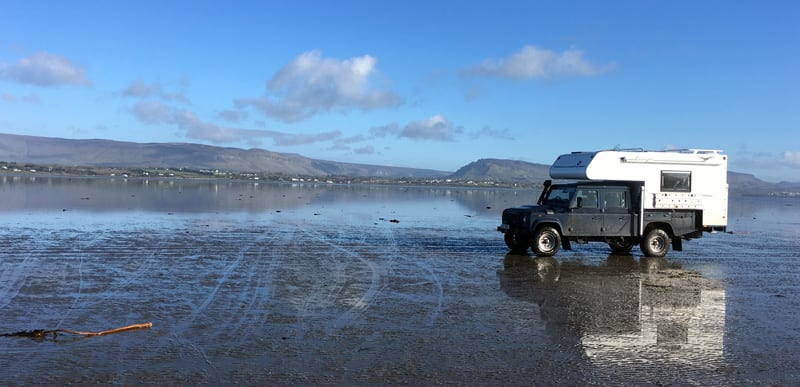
(615, 200)
(585, 198)
(560, 197)
(676, 181)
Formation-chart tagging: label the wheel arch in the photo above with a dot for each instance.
(548, 223)
(661, 225)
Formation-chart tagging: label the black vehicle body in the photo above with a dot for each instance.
(597, 211)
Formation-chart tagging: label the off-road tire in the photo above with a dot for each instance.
(545, 241)
(515, 242)
(655, 243)
(624, 248)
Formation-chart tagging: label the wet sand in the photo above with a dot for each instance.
(391, 286)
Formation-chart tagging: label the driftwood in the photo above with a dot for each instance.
(42, 333)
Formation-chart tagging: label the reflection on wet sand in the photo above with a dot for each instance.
(626, 311)
(283, 284)
(197, 195)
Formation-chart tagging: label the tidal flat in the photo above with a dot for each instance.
(324, 284)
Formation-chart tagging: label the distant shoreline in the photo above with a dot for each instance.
(33, 170)
(328, 180)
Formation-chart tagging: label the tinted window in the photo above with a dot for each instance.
(676, 181)
(559, 197)
(586, 198)
(615, 200)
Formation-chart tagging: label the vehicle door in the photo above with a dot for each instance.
(585, 218)
(617, 218)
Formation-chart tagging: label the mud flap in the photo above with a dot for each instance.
(565, 244)
(677, 244)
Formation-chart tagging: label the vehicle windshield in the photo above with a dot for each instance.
(559, 197)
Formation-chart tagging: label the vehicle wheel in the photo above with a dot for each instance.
(655, 243)
(623, 246)
(515, 243)
(546, 241)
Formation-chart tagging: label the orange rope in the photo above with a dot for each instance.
(116, 330)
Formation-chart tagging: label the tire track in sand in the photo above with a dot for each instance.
(13, 276)
(377, 272)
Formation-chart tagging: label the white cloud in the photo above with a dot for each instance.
(141, 89)
(780, 166)
(434, 128)
(791, 159)
(344, 143)
(765, 160)
(385, 130)
(352, 139)
(500, 134)
(156, 113)
(13, 98)
(195, 128)
(231, 115)
(311, 84)
(46, 70)
(365, 150)
(153, 112)
(536, 63)
(289, 139)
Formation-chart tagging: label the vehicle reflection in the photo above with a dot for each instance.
(627, 310)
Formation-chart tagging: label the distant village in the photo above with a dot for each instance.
(188, 173)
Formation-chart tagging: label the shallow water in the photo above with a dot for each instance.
(260, 283)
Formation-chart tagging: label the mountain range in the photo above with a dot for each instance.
(107, 153)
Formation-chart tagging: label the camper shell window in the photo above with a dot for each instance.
(676, 181)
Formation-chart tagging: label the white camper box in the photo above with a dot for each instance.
(676, 179)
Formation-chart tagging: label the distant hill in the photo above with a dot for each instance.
(107, 153)
(509, 171)
(747, 184)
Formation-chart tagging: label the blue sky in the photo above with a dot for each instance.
(412, 83)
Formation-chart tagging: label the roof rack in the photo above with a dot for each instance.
(696, 151)
(685, 150)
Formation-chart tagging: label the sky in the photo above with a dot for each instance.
(420, 84)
